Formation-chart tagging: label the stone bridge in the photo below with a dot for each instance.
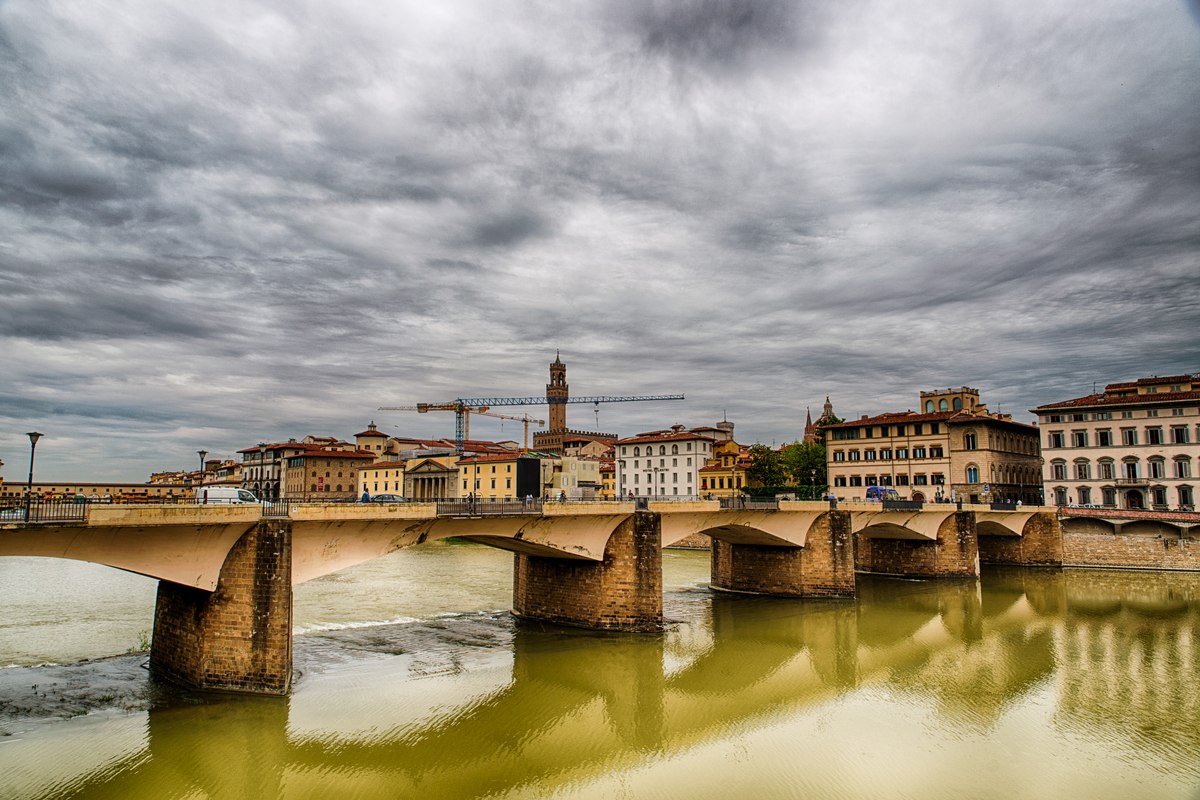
(223, 617)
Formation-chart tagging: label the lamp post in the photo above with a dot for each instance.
(203, 454)
(812, 479)
(33, 440)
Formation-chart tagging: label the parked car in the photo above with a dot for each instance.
(387, 498)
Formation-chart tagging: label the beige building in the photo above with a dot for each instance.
(322, 475)
(1135, 445)
(959, 450)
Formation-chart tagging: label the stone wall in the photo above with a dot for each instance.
(824, 567)
(623, 592)
(1085, 547)
(239, 637)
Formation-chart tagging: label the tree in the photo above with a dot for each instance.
(766, 467)
(804, 464)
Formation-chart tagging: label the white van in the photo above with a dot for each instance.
(223, 495)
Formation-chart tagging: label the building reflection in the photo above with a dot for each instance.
(1119, 650)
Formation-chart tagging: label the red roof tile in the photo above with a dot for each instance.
(1120, 400)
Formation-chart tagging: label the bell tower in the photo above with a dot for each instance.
(557, 394)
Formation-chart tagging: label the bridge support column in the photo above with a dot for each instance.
(1039, 545)
(953, 554)
(239, 637)
(824, 567)
(623, 592)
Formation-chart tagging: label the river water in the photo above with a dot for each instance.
(412, 680)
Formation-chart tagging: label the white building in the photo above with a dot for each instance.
(1136, 445)
(662, 463)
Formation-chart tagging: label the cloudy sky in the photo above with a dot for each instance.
(227, 222)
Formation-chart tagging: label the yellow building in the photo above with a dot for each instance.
(382, 477)
(724, 474)
(500, 476)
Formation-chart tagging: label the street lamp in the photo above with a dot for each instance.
(33, 440)
(812, 479)
(203, 454)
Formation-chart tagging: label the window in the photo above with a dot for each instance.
(1183, 467)
(1159, 494)
(1152, 412)
(839, 455)
(1107, 470)
(1101, 415)
(1179, 434)
(637, 451)
(1104, 437)
(1079, 439)
(1054, 439)
(902, 480)
(1158, 468)
(1131, 470)
(902, 453)
(958, 404)
(856, 480)
(937, 479)
(919, 479)
(1185, 496)
(918, 452)
(1126, 415)
(674, 449)
(1060, 496)
(1154, 435)
(943, 405)
(972, 474)
(1083, 470)
(1109, 496)
(928, 406)
(1176, 412)
(935, 427)
(885, 454)
(1058, 471)
(937, 452)
(1129, 436)
(854, 455)
(1085, 496)
(839, 480)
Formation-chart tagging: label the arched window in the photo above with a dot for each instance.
(637, 451)
(1058, 470)
(1107, 471)
(972, 474)
(928, 406)
(970, 442)
(1158, 469)
(1130, 467)
(1183, 468)
(1083, 469)
(662, 449)
(674, 449)
(943, 405)
(958, 404)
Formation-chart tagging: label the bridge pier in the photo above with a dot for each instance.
(954, 553)
(623, 592)
(823, 567)
(239, 637)
(1040, 544)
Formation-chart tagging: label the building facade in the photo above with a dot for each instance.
(324, 475)
(961, 451)
(1135, 445)
(724, 474)
(662, 463)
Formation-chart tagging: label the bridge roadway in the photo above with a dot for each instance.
(223, 613)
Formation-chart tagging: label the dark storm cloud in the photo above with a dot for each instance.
(221, 224)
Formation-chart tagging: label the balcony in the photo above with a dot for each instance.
(1133, 481)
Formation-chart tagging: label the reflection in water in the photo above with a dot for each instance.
(480, 705)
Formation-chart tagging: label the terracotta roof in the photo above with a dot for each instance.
(1120, 400)
(382, 465)
(319, 453)
(667, 437)
(371, 433)
(483, 457)
(896, 417)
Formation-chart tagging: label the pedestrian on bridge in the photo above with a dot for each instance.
(366, 498)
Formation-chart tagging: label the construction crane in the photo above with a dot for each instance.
(525, 418)
(464, 407)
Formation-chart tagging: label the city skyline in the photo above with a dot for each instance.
(221, 223)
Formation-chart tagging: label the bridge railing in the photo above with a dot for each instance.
(17, 510)
(750, 503)
(488, 507)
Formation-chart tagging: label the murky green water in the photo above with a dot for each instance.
(414, 681)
